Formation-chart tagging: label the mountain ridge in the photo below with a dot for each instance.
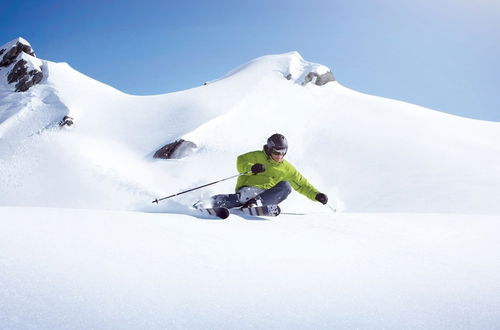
(370, 154)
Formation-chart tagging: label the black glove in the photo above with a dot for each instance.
(257, 168)
(322, 198)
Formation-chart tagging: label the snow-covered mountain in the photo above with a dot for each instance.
(72, 255)
(368, 153)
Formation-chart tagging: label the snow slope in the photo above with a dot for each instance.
(83, 269)
(82, 246)
(368, 153)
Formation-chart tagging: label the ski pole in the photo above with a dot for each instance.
(205, 185)
(331, 208)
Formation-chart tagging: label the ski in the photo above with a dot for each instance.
(266, 210)
(223, 212)
(219, 212)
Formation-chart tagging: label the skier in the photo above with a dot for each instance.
(271, 181)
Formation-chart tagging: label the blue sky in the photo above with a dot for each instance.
(440, 54)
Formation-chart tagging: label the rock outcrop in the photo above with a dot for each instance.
(23, 68)
(66, 121)
(318, 79)
(303, 72)
(177, 149)
(23, 78)
(12, 53)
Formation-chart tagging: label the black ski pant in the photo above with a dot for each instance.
(272, 196)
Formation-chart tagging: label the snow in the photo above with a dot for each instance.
(11, 43)
(413, 244)
(283, 64)
(67, 268)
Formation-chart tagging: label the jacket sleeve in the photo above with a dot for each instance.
(301, 185)
(244, 162)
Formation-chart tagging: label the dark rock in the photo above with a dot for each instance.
(320, 80)
(24, 79)
(11, 55)
(18, 72)
(37, 76)
(288, 76)
(175, 150)
(66, 121)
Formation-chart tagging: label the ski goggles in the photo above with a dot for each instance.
(281, 152)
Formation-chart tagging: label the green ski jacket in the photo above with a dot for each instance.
(274, 173)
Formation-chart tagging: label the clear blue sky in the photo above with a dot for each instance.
(444, 55)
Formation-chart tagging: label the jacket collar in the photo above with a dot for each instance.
(270, 159)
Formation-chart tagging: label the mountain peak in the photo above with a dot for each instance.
(11, 50)
(291, 65)
(21, 65)
(304, 72)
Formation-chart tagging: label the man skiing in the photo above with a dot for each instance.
(271, 181)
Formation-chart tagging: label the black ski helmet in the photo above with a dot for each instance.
(276, 144)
